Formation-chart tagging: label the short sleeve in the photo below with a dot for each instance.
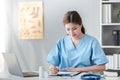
(53, 56)
(98, 55)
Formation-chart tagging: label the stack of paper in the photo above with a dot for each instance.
(112, 72)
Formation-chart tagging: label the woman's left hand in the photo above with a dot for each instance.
(71, 69)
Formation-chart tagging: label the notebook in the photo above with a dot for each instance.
(71, 74)
(14, 66)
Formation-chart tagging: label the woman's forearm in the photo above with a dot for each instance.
(92, 68)
(87, 69)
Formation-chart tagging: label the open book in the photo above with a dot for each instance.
(66, 74)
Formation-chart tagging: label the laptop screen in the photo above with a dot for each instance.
(12, 64)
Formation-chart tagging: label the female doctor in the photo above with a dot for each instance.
(77, 51)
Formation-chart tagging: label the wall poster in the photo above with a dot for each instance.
(30, 20)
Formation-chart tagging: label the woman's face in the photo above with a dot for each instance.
(74, 30)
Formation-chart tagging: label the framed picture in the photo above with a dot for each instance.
(30, 20)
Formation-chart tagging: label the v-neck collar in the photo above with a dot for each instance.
(75, 46)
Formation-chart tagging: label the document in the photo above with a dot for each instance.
(112, 72)
(71, 74)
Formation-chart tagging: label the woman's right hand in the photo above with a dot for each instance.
(53, 69)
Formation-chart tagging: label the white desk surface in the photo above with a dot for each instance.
(12, 77)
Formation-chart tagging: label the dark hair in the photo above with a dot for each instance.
(73, 17)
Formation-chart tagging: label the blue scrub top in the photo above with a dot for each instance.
(87, 52)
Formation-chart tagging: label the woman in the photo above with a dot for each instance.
(77, 51)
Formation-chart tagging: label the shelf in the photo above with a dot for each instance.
(110, 31)
(110, 46)
(110, 24)
(110, 2)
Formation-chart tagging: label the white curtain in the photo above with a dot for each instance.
(3, 32)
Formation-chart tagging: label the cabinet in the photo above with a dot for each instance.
(110, 31)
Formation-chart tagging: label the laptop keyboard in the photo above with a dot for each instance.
(30, 74)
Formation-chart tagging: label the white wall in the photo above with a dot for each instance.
(3, 33)
(32, 53)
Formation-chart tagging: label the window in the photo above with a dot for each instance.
(3, 31)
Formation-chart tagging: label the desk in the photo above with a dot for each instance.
(12, 77)
(65, 78)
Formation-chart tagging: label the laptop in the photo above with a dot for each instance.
(14, 66)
